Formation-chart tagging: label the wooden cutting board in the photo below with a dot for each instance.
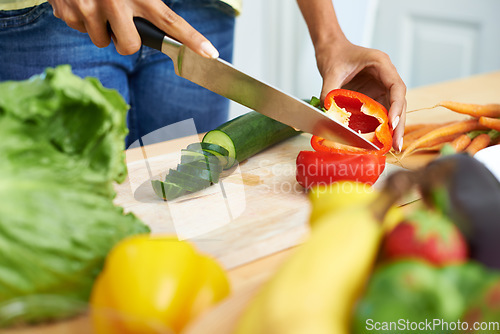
(257, 209)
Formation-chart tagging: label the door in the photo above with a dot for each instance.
(437, 40)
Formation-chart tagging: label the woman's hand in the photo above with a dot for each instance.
(368, 71)
(92, 16)
(344, 65)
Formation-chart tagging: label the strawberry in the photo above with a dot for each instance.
(427, 235)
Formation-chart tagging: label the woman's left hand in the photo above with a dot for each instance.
(368, 71)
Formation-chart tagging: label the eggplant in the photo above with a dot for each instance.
(469, 194)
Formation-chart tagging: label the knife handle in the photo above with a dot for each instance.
(150, 35)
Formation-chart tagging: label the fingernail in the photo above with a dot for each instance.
(400, 147)
(395, 122)
(209, 50)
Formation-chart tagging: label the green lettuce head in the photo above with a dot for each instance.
(61, 149)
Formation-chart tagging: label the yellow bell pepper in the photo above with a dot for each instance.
(153, 284)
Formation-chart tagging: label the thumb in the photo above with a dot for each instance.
(330, 82)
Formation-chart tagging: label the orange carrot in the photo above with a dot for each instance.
(437, 143)
(417, 133)
(413, 127)
(454, 128)
(475, 110)
(432, 148)
(421, 126)
(489, 122)
(461, 142)
(478, 143)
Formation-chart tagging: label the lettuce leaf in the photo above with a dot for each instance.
(61, 150)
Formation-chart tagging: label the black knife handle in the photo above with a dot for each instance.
(150, 35)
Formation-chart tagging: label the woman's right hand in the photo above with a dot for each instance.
(92, 16)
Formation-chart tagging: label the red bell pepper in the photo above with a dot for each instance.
(334, 162)
(322, 168)
(360, 113)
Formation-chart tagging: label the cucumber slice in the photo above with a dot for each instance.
(219, 151)
(247, 135)
(224, 160)
(188, 156)
(215, 169)
(195, 170)
(167, 190)
(187, 182)
(210, 147)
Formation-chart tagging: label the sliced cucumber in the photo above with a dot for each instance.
(215, 169)
(188, 156)
(192, 168)
(188, 182)
(224, 160)
(167, 190)
(219, 151)
(222, 148)
(247, 135)
(207, 146)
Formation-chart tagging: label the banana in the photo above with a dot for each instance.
(315, 290)
(340, 195)
(337, 196)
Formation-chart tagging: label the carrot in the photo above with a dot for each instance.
(475, 110)
(454, 128)
(461, 142)
(421, 126)
(436, 143)
(413, 127)
(478, 143)
(432, 148)
(489, 122)
(415, 134)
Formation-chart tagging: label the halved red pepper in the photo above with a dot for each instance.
(334, 162)
(360, 113)
(322, 168)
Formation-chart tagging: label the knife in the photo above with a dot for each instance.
(224, 79)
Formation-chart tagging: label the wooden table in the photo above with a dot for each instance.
(248, 276)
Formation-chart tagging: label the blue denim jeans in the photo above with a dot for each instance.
(32, 39)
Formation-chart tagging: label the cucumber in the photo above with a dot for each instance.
(198, 170)
(222, 148)
(186, 181)
(219, 151)
(189, 156)
(167, 190)
(208, 147)
(247, 135)
(193, 168)
(215, 169)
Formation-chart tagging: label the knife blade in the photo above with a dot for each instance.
(224, 79)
